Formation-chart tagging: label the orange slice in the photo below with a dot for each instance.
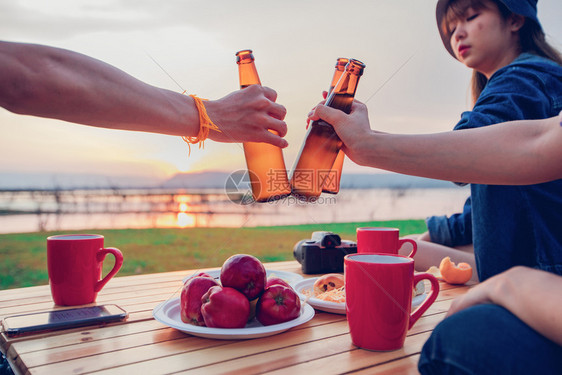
(455, 274)
(434, 271)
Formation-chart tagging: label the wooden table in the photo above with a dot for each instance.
(142, 345)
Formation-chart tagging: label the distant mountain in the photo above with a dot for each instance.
(199, 180)
(389, 180)
(349, 181)
(67, 181)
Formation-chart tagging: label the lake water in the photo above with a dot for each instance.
(77, 210)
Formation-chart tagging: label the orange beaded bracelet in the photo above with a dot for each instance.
(205, 125)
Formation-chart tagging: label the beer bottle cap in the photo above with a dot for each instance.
(244, 56)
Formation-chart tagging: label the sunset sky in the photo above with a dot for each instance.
(295, 44)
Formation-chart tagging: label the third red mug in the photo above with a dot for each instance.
(382, 240)
(75, 265)
(378, 296)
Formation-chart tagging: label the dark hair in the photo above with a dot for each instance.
(531, 36)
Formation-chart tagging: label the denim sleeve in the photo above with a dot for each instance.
(455, 230)
(512, 94)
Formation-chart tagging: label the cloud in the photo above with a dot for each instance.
(63, 19)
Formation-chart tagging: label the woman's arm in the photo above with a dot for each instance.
(513, 153)
(56, 83)
(530, 294)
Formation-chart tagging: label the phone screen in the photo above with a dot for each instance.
(58, 319)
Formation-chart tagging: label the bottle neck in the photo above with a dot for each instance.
(345, 87)
(335, 79)
(248, 74)
(340, 68)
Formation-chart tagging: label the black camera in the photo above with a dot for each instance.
(323, 253)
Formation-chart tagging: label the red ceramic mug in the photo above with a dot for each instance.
(382, 240)
(74, 262)
(378, 291)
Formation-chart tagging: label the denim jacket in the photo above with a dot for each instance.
(455, 230)
(517, 225)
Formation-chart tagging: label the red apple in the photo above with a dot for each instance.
(225, 307)
(204, 274)
(274, 280)
(244, 273)
(278, 304)
(200, 274)
(190, 299)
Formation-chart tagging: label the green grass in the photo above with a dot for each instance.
(24, 263)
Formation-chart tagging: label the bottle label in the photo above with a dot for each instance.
(313, 180)
(277, 181)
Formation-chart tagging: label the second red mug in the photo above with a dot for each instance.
(74, 263)
(382, 240)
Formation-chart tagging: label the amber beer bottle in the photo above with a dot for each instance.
(321, 145)
(332, 181)
(266, 167)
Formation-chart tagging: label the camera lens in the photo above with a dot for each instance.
(298, 251)
(331, 240)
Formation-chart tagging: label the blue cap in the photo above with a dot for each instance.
(526, 8)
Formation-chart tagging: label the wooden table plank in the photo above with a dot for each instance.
(354, 359)
(403, 366)
(116, 292)
(276, 346)
(65, 346)
(87, 334)
(322, 354)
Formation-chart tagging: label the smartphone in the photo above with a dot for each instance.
(18, 325)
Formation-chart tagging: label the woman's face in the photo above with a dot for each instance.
(483, 40)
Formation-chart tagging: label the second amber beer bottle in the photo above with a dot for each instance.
(266, 167)
(332, 181)
(321, 146)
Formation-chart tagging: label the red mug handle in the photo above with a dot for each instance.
(116, 267)
(414, 245)
(428, 300)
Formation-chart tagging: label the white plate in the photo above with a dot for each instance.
(304, 286)
(290, 277)
(168, 313)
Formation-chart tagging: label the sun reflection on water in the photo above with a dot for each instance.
(183, 219)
